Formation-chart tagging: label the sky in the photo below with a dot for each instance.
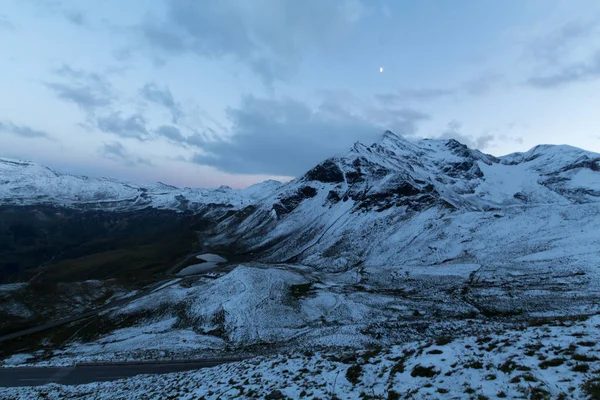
(208, 93)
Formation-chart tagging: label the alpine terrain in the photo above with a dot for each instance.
(400, 269)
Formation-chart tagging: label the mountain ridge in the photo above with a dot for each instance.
(340, 212)
(345, 207)
(29, 183)
(392, 152)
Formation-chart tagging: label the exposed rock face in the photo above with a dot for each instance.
(465, 170)
(327, 172)
(288, 204)
(584, 162)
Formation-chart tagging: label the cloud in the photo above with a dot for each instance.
(89, 91)
(116, 152)
(75, 17)
(483, 141)
(453, 131)
(5, 23)
(422, 94)
(556, 51)
(198, 140)
(23, 130)
(170, 132)
(152, 93)
(133, 126)
(482, 85)
(475, 87)
(516, 139)
(268, 36)
(553, 47)
(62, 9)
(286, 137)
(175, 136)
(573, 73)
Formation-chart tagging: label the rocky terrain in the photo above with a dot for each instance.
(547, 359)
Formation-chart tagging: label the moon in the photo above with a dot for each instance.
(380, 69)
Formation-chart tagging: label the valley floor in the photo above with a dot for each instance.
(546, 359)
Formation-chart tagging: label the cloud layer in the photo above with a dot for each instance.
(285, 137)
(89, 91)
(268, 36)
(274, 86)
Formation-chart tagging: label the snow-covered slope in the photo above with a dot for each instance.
(26, 183)
(425, 202)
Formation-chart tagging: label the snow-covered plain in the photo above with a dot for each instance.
(556, 359)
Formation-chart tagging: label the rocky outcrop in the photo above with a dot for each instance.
(327, 172)
(287, 204)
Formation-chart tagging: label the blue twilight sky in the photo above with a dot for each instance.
(202, 93)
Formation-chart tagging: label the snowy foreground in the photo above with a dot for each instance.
(546, 359)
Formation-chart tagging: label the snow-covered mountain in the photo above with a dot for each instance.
(26, 183)
(425, 202)
(396, 241)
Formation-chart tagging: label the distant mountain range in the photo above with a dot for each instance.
(27, 183)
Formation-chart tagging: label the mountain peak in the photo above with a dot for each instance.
(396, 143)
(389, 135)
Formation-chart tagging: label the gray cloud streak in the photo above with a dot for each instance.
(174, 135)
(76, 17)
(133, 126)
(116, 152)
(152, 93)
(424, 94)
(23, 131)
(171, 132)
(576, 72)
(476, 87)
(89, 91)
(552, 48)
(5, 23)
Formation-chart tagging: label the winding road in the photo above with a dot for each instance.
(86, 373)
